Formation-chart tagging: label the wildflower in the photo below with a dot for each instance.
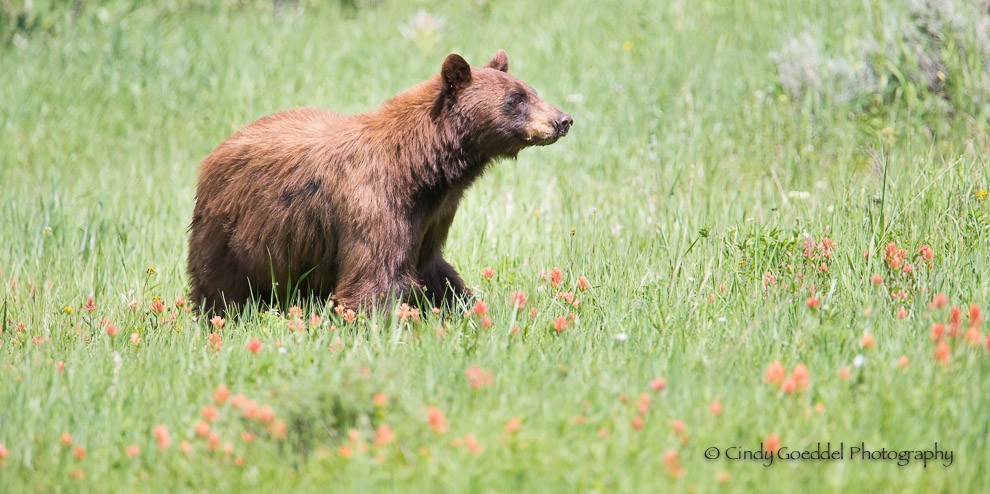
(162, 437)
(157, 306)
(716, 408)
(4, 454)
(60, 366)
(212, 441)
(876, 280)
(908, 269)
(218, 322)
(480, 308)
(789, 385)
(678, 426)
(254, 346)
(926, 253)
(513, 425)
(813, 302)
(867, 341)
(937, 331)
(202, 429)
(518, 300)
(800, 376)
(673, 464)
(771, 444)
(942, 353)
(90, 305)
(560, 324)
(858, 361)
(186, 448)
(583, 284)
(981, 194)
(179, 302)
(809, 245)
(488, 272)
(436, 419)
(349, 316)
(486, 322)
(111, 330)
(644, 403)
(637, 423)
(939, 301)
(975, 316)
(248, 437)
(215, 341)
(472, 445)
(722, 477)
(478, 377)
(295, 312)
(209, 412)
(902, 313)
(380, 400)
(603, 432)
(221, 394)
(658, 384)
(556, 277)
(314, 321)
(151, 270)
(769, 280)
(903, 361)
(826, 246)
(383, 435)
(955, 321)
(78, 474)
(844, 373)
(775, 373)
(66, 439)
(296, 325)
(132, 450)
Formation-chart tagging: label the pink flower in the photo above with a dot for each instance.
(902, 313)
(775, 373)
(295, 312)
(314, 321)
(296, 324)
(218, 322)
(560, 324)
(488, 272)
(926, 252)
(827, 246)
(867, 341)
(876, 280)
(813, 302)
(215, 341)
(4, 454)
(111, 330)
(472, 445)
(407, 312)
(161, 436)
(716, 408)
(658, 384)
(90, 304)
(975, 316)
(132, 450)
(942, 353)
(209, 412)
(436, 419)
(478, 377)
(844, 373)
(480, 308)
(556, 277)
(513, 425)
(801, 377)
(771, 443)
(583, 284)
(637, 423)
(939, 301)
(254, 346)
(221, 394)
(518, 300)
(769, 280)
(937, 331)
(383, 435)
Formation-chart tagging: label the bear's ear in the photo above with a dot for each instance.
(456, 73)
(499, 62)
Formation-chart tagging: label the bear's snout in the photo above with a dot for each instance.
(562, 124)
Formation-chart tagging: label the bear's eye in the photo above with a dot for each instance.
(517, 98)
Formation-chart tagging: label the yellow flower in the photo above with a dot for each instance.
(67, 309)
(981, 194)
(628, 45)
(151, 270)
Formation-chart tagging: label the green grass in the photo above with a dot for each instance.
(678, 177)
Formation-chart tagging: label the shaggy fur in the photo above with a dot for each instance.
(357, 208)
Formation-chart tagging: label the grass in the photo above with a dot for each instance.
(687, 177)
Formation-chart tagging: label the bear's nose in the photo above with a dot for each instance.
(563, 123)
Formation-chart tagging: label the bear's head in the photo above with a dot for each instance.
(500, 113)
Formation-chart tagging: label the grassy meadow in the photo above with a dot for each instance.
(715, 256)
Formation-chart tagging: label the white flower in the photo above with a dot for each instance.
(621, 337)
(858, 361)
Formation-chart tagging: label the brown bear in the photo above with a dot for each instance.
(357, 208)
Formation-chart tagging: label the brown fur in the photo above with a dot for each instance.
(357, 207)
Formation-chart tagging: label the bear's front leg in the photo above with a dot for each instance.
(444, 287)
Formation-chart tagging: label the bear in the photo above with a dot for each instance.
(356, 208)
